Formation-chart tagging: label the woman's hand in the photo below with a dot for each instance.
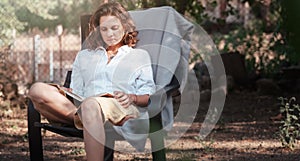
(125, 99)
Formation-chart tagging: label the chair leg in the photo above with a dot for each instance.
(34, 134)
(157, 140)
(109, 150)
(158, 155)
(108, 154)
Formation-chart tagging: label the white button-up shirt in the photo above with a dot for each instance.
(129, 71)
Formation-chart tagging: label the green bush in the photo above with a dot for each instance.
(264, 52)
(290, 127)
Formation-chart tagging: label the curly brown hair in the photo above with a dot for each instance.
(94, 38)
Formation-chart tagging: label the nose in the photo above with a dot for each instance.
(109, 33)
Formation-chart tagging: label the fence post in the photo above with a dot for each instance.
(59, 32)
(36, 56)
(51, 65)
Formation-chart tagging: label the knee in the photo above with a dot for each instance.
(37, 92)
(34, 90)
(90, 104)
(90, 109)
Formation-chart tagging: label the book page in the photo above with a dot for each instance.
(105, 95)
(76, 98)
(73, 95)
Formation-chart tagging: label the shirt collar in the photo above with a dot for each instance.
(124, 49)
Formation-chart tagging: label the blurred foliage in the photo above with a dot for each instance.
(67, 13)
(265, 41)
(10, 76)
(25, 15)
(9, 20)
(265, 53)
(268, 41)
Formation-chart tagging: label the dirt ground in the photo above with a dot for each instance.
(244, 132)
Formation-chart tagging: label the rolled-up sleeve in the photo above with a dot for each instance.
(144, 82)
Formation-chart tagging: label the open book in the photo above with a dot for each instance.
(77, 99)
(73, 95)
(64, 91)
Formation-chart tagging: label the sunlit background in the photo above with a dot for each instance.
(257, 39)
(39, 39)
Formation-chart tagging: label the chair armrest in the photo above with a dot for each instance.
(172, 87)
(67, 131)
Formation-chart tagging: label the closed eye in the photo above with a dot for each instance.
(115, 27)
(103, 28)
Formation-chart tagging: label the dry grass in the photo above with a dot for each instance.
(244, 132)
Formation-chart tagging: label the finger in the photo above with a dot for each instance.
(126, 105)
(118, 94)
(123, 101)
(121, 96)
(124, 97)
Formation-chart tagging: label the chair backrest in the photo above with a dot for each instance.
(166, 35)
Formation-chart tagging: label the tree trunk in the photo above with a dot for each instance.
(265, 12)
(144, 4)
(222, 9)
(181, 5)
(158, 3)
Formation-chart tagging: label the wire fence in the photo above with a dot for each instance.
(38, 58)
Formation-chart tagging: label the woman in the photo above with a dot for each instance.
(108, 64)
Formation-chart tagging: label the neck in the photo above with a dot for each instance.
(114, 48)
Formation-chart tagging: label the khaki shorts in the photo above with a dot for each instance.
(111, 111)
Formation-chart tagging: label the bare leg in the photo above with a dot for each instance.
(93, 131)
(51, 104)
(94, 149)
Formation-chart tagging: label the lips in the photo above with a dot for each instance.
(111, 40)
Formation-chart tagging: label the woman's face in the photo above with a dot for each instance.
(111, 30)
